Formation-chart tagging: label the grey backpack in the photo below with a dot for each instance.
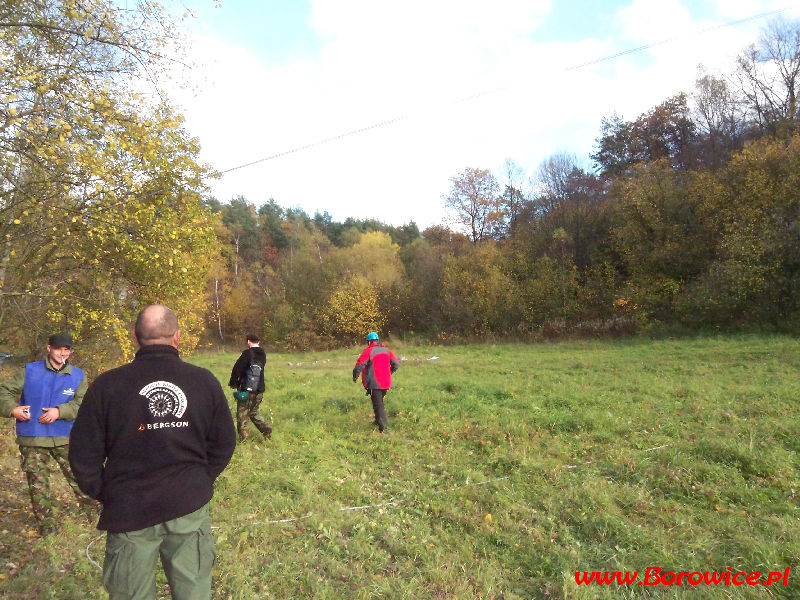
(252, 377)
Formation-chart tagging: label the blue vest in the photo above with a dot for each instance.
(44, 389)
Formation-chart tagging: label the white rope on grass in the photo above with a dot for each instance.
(480, 483)
(657, 448)
(391, 502)
(588, 462)
(89, 558)
(367, 506)
(570, 467)
(293, 520)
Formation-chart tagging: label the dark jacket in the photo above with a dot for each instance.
(255, 354)
(150, 439)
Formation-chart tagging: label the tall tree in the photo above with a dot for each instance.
(100, 188)
(474, 202)
(769, 78)
(665, 132)
(478, 295)
(554, 181)
(662, 235)
(512, 198)
(239, 217)
(720, 119)
(569, 199)
(270, 217)
(754, 209)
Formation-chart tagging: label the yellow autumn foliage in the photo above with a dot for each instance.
(351, 311)
(102, 206)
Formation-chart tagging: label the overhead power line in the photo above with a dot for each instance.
(674, 38)
(504, 89)
(318, 143)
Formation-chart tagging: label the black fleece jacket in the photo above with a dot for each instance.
(150, 438)
(255, 355)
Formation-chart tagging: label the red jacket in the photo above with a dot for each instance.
(376, 365)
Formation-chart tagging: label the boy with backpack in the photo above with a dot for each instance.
(247, 378)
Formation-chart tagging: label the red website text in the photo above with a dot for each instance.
(657, 576)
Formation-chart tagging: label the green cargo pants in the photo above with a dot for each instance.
(187, 555)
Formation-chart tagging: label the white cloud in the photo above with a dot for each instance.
(644, 21)
(740, 9)
(378, 62)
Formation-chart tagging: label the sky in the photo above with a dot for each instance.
(368, 108)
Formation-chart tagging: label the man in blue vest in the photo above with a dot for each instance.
(43, 397)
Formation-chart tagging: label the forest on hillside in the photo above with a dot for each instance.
(688, 218)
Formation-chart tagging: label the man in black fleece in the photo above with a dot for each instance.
(149, 440)
(247, 407)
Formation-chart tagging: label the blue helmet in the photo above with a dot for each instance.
(371, 336)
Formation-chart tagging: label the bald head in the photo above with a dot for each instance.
(157, 324)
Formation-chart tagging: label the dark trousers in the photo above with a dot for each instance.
(377, 407)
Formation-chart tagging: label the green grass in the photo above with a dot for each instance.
(506, 469)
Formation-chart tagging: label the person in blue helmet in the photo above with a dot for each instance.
(375, 365)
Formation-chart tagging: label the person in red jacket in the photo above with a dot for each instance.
(376, 365)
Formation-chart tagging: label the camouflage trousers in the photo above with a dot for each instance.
(35, 462)
(248, 411)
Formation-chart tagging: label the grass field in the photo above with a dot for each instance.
(506, 469)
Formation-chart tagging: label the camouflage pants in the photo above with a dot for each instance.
(248, 411)
(35, 462)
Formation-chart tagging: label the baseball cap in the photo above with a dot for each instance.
(60, 340)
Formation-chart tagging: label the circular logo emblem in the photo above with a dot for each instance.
(164, 398)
